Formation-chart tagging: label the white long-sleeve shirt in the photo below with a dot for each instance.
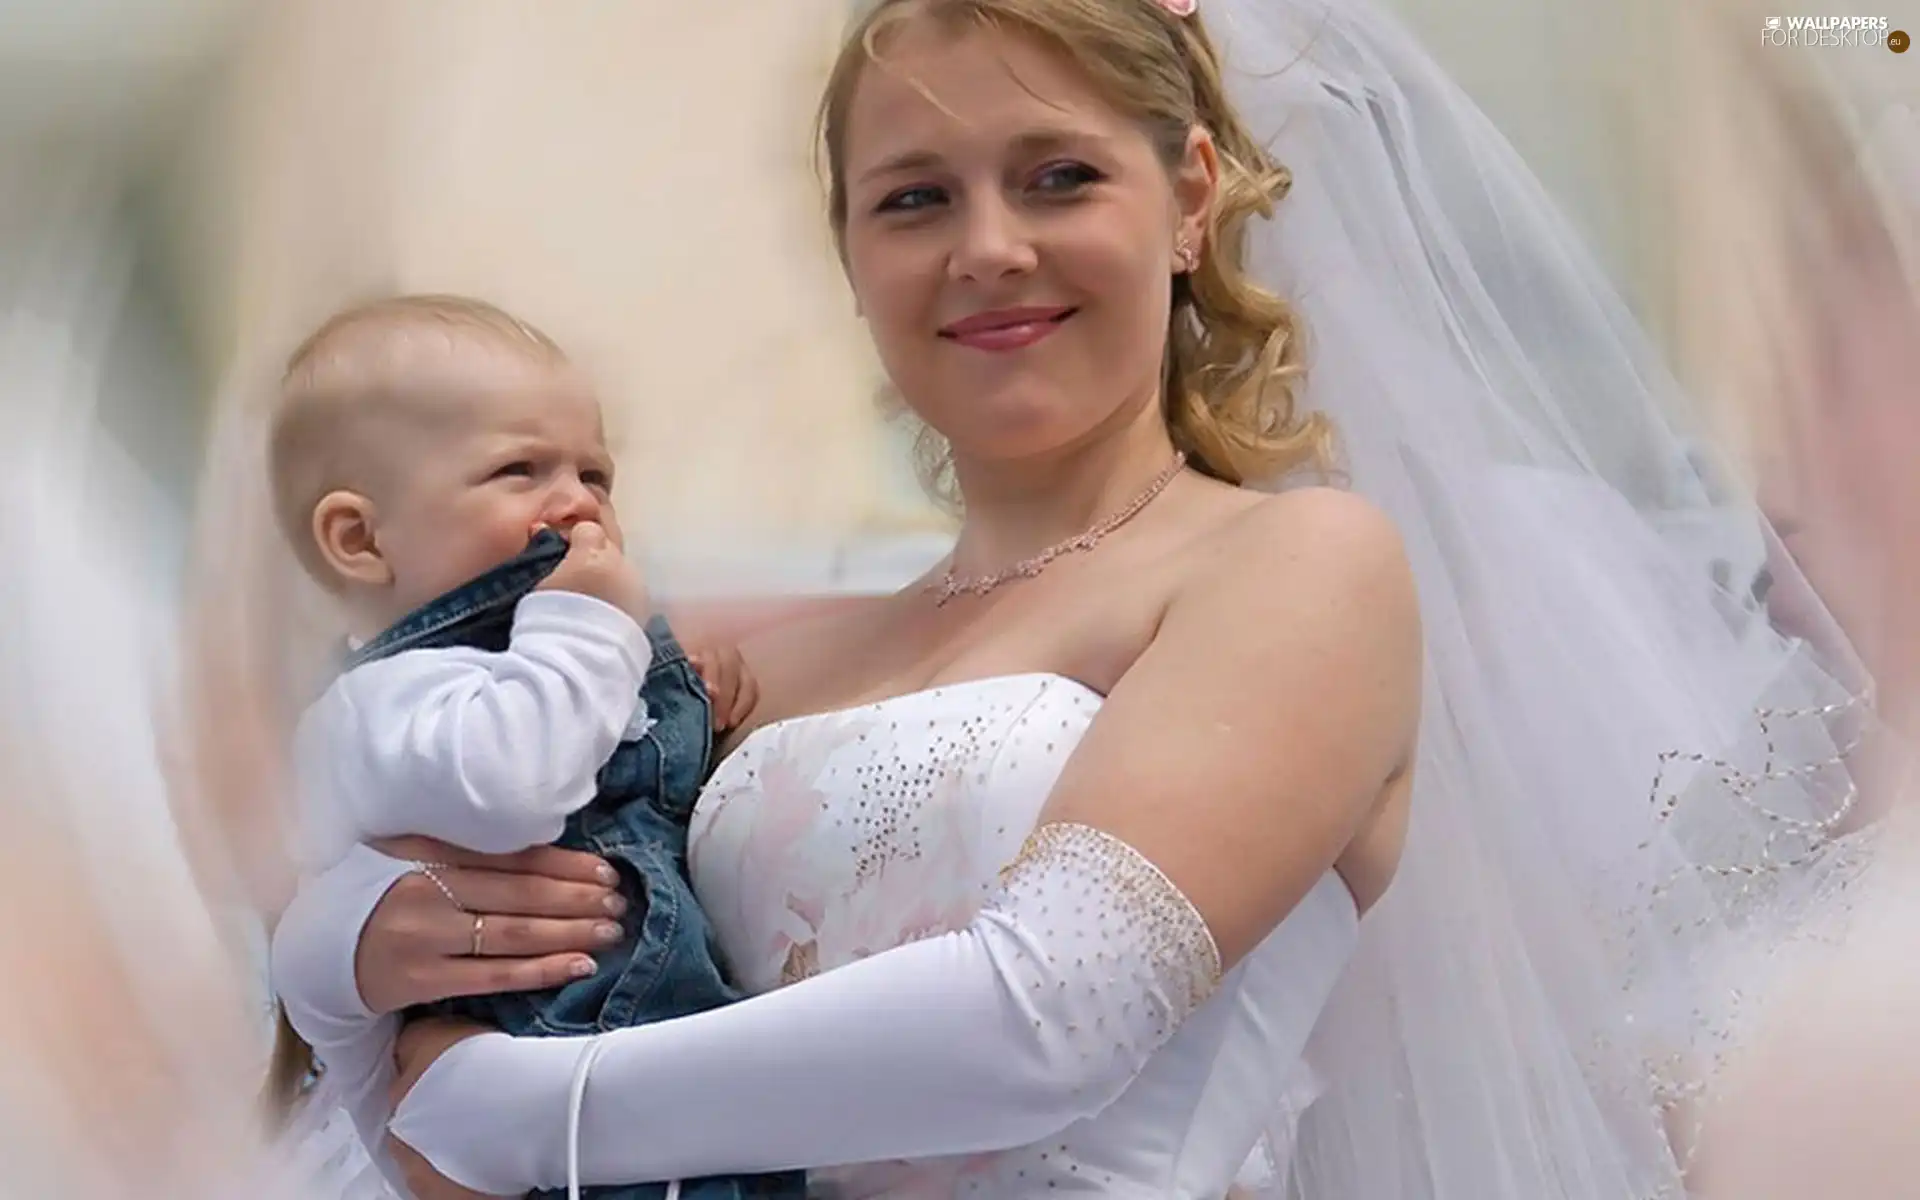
(486, 750)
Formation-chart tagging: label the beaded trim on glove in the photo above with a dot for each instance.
(1138, 909)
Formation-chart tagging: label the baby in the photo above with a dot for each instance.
(440, 468)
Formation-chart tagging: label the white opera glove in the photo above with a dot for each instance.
(1036, 1015)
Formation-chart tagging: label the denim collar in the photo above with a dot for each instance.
(483, 604)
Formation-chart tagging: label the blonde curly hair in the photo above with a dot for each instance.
(1233, 356)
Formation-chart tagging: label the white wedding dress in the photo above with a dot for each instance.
(829, 837)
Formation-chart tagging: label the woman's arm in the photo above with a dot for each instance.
(1224, 775)
(371, 936)
(312, 973)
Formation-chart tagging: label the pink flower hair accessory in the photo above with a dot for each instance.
(1180, 8)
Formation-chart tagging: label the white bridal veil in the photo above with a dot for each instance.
(1621, 762)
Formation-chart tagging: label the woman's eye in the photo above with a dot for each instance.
(1066, 177)
(911, 199)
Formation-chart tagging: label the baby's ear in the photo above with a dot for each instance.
(344, 526)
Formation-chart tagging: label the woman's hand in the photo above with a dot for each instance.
(538, 915)
(421, 1043)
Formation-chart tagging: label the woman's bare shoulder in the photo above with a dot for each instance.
(1322, 528)
(1332, 559)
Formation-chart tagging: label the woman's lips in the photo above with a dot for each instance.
(1004, 329)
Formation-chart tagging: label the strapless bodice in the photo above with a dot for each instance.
(829, 837)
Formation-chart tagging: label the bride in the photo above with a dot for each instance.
(1174, 834)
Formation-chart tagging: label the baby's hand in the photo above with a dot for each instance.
(595, 567)
(730, 685)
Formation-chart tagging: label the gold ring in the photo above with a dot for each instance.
(479, 932)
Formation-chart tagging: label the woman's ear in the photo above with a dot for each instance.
(1196, 181)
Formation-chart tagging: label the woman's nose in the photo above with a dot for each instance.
(993, 243)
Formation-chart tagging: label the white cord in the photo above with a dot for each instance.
(576, 1100)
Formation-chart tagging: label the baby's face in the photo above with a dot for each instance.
(512, 443)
